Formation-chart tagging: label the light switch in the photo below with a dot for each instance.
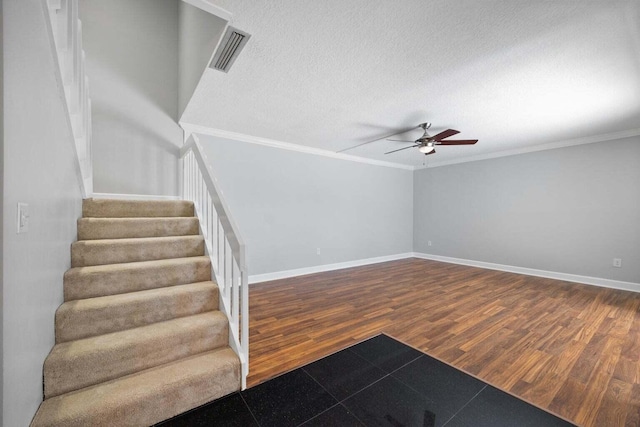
(23, 217)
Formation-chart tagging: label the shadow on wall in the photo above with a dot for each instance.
(137, 159)
(137, 131)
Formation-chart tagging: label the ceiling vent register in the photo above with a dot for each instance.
(229, 48)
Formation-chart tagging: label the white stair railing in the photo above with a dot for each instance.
(224, 246)
(66, 29)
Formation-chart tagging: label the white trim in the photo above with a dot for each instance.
(266, 277)
(85, 183)
(210, 8)
(133, 196)
(585, 280)
(596, 281)
(203, 130)
(552, 145)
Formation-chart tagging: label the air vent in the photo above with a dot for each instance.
(229, 48)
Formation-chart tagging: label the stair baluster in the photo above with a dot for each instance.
(223, 244)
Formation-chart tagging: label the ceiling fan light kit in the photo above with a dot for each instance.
(427, 148)
(426, 143)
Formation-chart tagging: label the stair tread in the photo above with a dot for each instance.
(105, 314)
(114, 208)
(82, 282)
(109, 242)
(118, 228)
(108, 300)
(80, 363)
(99, 219)
(146, 397)
(107, 268)
(125, 338)
(109, 251)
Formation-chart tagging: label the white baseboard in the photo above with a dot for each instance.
(596, 281)
(266, 277)
(133, 196)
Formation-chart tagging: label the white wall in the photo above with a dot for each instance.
(199, 32)
(569, 210)
(132, 56)
(39, 169)
(287, 204)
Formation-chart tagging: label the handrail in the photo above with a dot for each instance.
(224, 245)
(66, 32)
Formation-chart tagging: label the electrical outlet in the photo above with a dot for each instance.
(22, 218)
(428, 242)
(617, 262)
(317, 251)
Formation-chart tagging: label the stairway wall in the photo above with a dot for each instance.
(39, 169)
(132, 63)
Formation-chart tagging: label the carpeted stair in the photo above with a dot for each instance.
(139, 338)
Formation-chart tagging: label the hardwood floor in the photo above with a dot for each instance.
(569, 348)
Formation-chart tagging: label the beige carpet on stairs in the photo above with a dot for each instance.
(139, 338)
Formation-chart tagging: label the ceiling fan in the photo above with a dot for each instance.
(427, 143)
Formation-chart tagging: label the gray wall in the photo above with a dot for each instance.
(569, 210)
(39, 169)
(199, 33)
(287, 204)
(132, 54)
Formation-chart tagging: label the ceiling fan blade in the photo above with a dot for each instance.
(400, 140)
(457, 142)
(444, 134)
(430, 152)
(378, 139)
(400, 149)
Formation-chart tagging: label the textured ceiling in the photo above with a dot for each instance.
(514, 74)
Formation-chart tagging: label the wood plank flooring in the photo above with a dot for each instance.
(569, 348)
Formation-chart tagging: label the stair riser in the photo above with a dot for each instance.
(83, 319)
(102, 252)
(81, 283)
(102, 208)
(107, 357)
(118, 228)
(147, 398)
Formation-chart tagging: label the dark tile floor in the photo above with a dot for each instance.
(379, 382)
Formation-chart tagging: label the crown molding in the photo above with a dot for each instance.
(203, 130)
(531, 149)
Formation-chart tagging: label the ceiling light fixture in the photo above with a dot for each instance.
(426, 148)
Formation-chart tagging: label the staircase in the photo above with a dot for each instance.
(139, 338)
